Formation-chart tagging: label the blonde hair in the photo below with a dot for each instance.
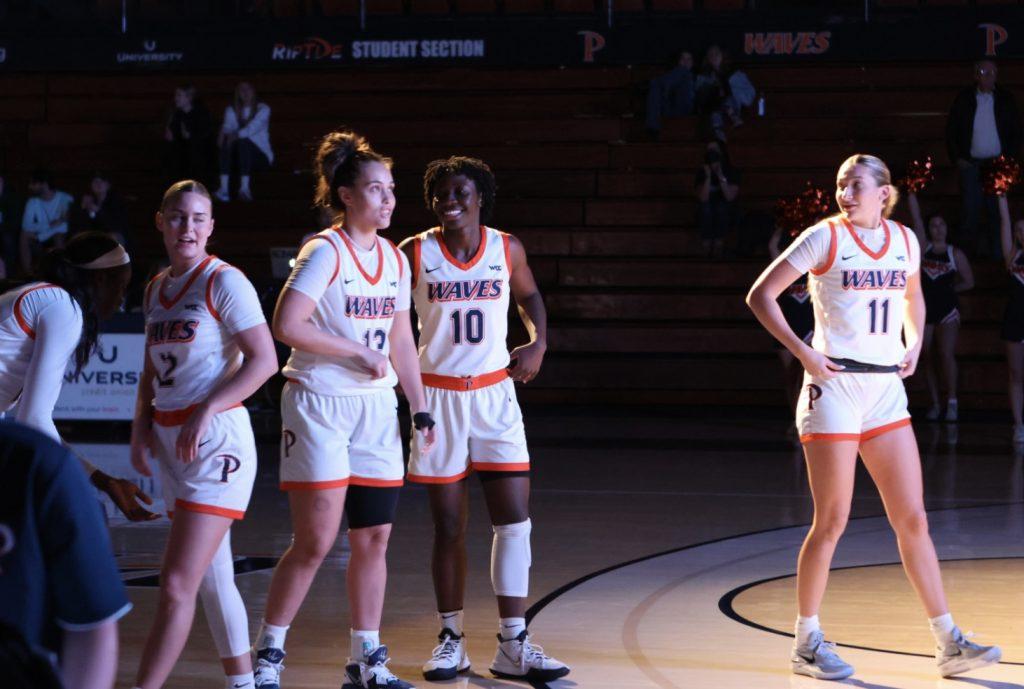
(880, 173)
(185, 186)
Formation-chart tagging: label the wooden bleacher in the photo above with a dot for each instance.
(606, 214)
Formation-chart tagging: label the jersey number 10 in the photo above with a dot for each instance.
(879, 309)
(468, 327)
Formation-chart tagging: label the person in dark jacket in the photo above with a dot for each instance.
(983, 124)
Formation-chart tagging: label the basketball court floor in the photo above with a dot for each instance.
(664, 549)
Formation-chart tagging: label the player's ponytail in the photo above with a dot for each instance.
(338, 162)
(72, 267)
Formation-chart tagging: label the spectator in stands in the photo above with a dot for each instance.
(102, 209)
(721, 93)
(671, 94)
(1011, 235)
(945, 272)
(60, 587)
(189, 138)
(45, 221)
(717, 187)
(11, 212)
(244, 138)
(983, 124)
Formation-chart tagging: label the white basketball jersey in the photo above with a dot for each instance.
(18, 314)
(357, 305)
(189, 347)
(859, 293)
(462, 307)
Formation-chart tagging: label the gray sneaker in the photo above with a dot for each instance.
(963, 655)
(817, 658)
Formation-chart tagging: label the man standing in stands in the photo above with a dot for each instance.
(983, 124)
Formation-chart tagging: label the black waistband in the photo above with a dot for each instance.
(854, 366)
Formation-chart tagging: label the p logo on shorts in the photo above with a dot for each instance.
(813, 395)
(288, 438)
(231, 465)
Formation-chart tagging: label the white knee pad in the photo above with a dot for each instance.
(510, 560)
(225, 611)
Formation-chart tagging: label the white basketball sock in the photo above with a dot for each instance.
(271, 636)
(511, 627)
(452, 620)
(225, 611)
(942, 629)
(364, 642)
(805, 626)
(245, 681)
(510, 559)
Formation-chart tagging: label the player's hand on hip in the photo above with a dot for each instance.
(819, 365)
(909, 363)
(374, 363)
(192, 432)
(527, 361)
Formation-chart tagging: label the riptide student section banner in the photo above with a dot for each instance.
(105, 388)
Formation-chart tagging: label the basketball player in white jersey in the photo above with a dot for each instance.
(53, 321)
(345, 313)
(866, 288)
(208, 348)
(463, 276)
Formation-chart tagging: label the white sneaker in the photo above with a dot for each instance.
(1018, 434)
(372, 673)
(963, 655)
(817, 658)
(519, 659)
(952, 411)
(267, 668)
(222, 195)
(448, 659)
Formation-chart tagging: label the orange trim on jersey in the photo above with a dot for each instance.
(881, 430)
(351, 249)
(906, 239)
(464, 383)
(376, 482)
(401, 266)
(471, 262)
(506, 241)
(22, 323)
(176, 417)
(830, 437)
(209, 509)
(168, 303)
(501, 466)
(439, 480)
(864, 247)
(337, 256)
(832, 247)
(149, 292)
(209, 292)
(314, 485)
(416, 249)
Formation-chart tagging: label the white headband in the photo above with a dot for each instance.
(112, 259)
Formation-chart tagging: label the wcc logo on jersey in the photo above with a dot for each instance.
(874, 279)
(171, 332)
(369, 307)
(464, 290)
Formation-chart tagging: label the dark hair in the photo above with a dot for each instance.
(43, 176)
(473, 168)
(338, 162)
(60, 266)
(185, 186)
(928, 224)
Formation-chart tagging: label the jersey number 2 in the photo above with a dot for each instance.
(879, 309)
(171, 361)
(469, 328)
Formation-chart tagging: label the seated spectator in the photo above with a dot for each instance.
(671, 94)
(102, 209)
(11, 212)
(245, 140)
(45, 221)
(60, 588)
(720, 93)
(189, 138)
(717, 186)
